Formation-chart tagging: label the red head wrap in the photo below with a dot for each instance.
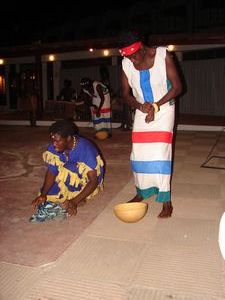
(129, 50)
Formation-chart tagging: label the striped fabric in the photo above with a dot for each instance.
(151, 163)
(104, 122)
(152, 137)
(146, 86)
(151, 156)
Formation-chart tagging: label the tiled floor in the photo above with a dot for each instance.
(96, 256)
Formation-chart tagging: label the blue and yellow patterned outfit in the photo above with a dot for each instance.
(71, 173)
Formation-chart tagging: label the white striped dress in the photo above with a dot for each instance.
(151, 156)
(102, 123)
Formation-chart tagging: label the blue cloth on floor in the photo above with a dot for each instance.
(48, 211)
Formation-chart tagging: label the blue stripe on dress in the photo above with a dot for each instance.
(102, 120)
(145, 85)
(152, 167)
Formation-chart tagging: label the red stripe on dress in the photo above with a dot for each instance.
(152, 137)
(104, 110)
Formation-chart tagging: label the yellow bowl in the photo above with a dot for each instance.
(102, 135)
(130, 212)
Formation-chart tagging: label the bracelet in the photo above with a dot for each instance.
(156, 107)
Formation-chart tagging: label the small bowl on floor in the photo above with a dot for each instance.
(130, 212)
(102, 135)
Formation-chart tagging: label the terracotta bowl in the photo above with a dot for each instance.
(102, 135)
(130, 212)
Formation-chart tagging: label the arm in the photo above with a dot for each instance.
(83, 98)
(174, 78)
(71, 205)
(130, 99)
(99, 90)
(48, 182)
(175, 90)
(89, 188)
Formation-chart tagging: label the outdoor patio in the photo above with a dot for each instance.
(96, 256)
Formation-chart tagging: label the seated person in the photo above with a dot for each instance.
(67, 93)
(75, 172)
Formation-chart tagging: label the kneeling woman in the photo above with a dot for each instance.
(75, 173)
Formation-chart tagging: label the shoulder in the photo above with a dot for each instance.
(96, 83)
(125, 62)
(127, 65)
(86, 149)
(162, 51)
(50, 147)
(86, 143)
(102, 86)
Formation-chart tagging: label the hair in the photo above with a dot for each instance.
(64, 128)
(128, 37)
(85, 81)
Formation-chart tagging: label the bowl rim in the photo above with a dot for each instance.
(130, 206)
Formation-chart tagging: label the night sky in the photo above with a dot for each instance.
(24, 23)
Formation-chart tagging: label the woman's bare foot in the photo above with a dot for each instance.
(166, 211)
(137, 198)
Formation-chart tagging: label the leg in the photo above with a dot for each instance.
(167, 210)
(137, 198)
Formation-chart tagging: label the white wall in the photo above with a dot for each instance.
(205, 81)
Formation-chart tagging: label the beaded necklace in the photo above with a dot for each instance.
(74, 143)
(66, 153)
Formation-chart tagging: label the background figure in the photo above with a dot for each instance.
(100, 104)
(75, 172)
(105, 78)
(29, 97)
(33, 98)
(67, 93)
(151, 74)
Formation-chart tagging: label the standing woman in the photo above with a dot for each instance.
(100, 104)
(151, 74)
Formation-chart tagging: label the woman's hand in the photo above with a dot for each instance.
(150, 117)
(146, 107)
(70, 207)
(39, 200)
(149, 109)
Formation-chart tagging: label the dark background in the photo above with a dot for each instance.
(31, 22)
